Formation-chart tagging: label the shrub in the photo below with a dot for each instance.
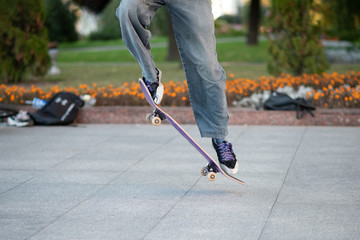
(60, 21)
(342, 19)
(23, 40)
(294, 38)
(109, 27)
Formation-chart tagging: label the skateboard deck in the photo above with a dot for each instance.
(159, 115)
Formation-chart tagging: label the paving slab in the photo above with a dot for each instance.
(143, 182)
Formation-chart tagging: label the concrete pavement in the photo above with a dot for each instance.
(143, 182)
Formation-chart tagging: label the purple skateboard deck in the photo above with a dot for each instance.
(177, 126)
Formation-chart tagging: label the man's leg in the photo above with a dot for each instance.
(135, 17)
(194, 31)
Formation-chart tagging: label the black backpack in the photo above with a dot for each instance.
(61, 109)
(282, 101)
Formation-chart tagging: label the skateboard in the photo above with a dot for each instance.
(158, 115)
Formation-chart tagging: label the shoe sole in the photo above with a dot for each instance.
(159, 94)
(160, 90)
(230, 171)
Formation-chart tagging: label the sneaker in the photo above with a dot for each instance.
(156, 88)
(22, 119)
(226, 156)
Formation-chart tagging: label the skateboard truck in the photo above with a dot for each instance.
(209, 171)
(155, 117)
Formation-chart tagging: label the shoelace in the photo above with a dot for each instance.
(225, 151)
(149, 85)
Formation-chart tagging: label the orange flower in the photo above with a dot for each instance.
(326, 88)
(316, 96)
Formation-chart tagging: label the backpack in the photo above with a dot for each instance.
(282, 101)
(61, 109)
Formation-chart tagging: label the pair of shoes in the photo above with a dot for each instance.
(156, 88)
(22, 119)
(226, 156)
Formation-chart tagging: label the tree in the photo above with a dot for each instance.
(173, 52)
(24, 40)
(294, 43)
(60, 21)
(109, 27)
(94, 5)
(161, 25)
(343, 18)
(254, 20)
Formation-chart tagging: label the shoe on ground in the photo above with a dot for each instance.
(156, 88)
(226, 156)
(22, 119)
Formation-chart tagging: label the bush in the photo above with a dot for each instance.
(109, 24)
(294, 38)
(342, 19)
(23, 40)
(230, 19)
(60, 21)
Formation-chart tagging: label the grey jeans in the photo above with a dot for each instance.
(193, 25)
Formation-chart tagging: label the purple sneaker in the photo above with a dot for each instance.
(156, 88)
(226, 156)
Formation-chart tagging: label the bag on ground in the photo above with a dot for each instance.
(61, 109)
(283, 102)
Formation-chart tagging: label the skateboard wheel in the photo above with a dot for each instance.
(148, 116)
(211, 176)
(156, 121)
(204, 171)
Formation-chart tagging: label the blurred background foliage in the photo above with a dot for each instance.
(60, 21)
(109, 27)
(342, 19)
(23, 46)
(293, 34)
(28, 25)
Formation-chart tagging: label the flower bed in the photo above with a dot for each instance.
(326, 90)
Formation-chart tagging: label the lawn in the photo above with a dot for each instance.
(117, 73)
(104, 74)
(109, 62)
(232, 50)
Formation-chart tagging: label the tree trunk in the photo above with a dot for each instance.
(254, 21)
(173, 53)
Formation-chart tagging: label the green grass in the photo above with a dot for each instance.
(236, 51)
(95, 57)
(99, 43)
(117, 73)
(118, 66)
(241, 52)
(104, 74)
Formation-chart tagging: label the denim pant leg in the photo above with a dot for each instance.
(193, 25)
(194, 31)
(135, 17)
